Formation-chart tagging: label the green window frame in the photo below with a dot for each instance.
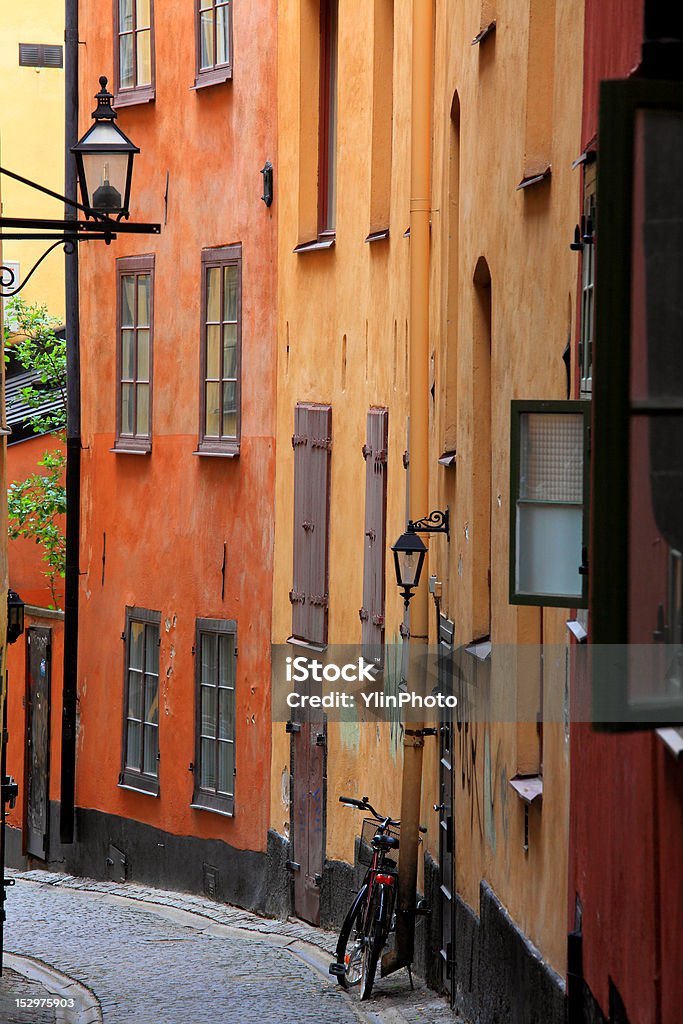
(637, 586)
(549, 483)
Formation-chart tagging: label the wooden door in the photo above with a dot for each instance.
(308, 817)
(38, 646)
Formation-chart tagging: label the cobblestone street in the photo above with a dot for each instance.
(152, 956)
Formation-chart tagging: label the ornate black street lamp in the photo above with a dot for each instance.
(15, 616)
(104, 158)
(410, 552)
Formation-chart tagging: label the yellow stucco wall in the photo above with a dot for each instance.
(507, 121)
(352, 300)
(32, 140)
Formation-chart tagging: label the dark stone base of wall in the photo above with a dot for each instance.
(499, 973)
(149, 856)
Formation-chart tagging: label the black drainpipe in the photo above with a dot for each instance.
(73, 444)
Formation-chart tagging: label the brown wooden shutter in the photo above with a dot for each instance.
(372, 612)
(312, 441)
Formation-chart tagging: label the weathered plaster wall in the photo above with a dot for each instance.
(523, 238)
(167, 516)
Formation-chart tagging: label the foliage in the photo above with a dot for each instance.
(35, 504)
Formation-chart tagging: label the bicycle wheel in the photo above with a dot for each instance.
(350, 946)
(377, 930)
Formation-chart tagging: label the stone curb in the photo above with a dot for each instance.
(86, 1008)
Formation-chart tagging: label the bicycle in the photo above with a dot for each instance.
(371, 913)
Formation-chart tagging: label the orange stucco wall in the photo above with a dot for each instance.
(167, 515)
(26, 565)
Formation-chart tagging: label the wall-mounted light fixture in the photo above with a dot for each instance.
(15, 616)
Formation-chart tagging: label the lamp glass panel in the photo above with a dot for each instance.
(105, 169)
(409, 562)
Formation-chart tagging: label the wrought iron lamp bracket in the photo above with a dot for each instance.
(436, 522)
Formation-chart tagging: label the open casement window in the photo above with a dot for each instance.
(221, 345)
(587, 282)
(213, 32)
(549, 449)
(637, 599)
(140, 768)
(214, 765)
(135, 329)
(133, 51)
(374, 556)
(312, 442)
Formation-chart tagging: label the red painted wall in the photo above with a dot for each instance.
(167, 515)
(626, 816)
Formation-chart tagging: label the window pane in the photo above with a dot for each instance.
(143, 355)
(226, 717)
(226, 761)
(551, 455)
(152, 649)
(136, 651)
(209, 642)
(127, 408)
(213, 411)
(125, 15)
(206, 39)
(208, 711)
(229, 409)
(222, 35)
(143, 300)
(230, 282)
(135, 695)
(151, 698)
(127, 355)
(213, 352)
(144, 57)
(213, 295)
(143, 14)
(230, 350)
(143, 410)
(126, 62)
(150, 765)
(134, 745)
(207, 769)
(128, 301)
(227, 663)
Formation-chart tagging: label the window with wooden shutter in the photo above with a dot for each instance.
(372, 612)
(312, 442)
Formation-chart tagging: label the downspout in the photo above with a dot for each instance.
(73, 445)
(420, 191)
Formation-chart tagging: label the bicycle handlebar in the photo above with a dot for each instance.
(365, 805)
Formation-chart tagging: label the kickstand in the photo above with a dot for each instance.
(410, 975)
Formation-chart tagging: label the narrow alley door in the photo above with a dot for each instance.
(38, 644)
(445, 811)
(308, 837)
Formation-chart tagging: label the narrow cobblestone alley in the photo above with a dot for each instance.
(151, 957)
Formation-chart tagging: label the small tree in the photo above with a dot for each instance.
(35, 504)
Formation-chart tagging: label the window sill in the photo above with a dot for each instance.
(220, 451)
(213, 810)
(577, 631)
(308, 644)
(122, 449)
(145, 787)
(217, 76)
(317, 245)
(131, 97)
(672, 738)
(378, 236)
(535, 179)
